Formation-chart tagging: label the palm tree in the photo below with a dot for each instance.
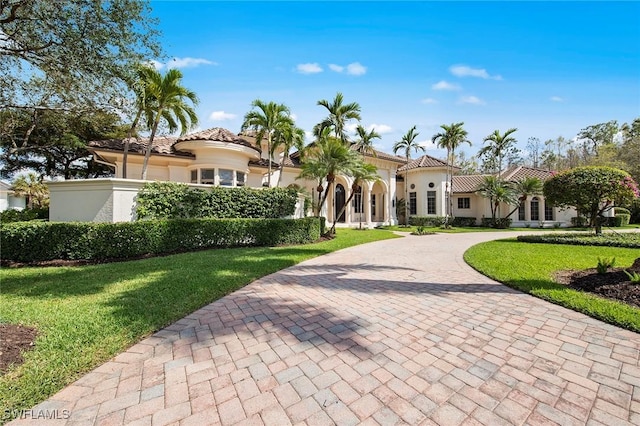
(361, 172)
(453, 136)
(325, 160)
(289, 136)
(169, 104)
(364, 145)
(524, 188)
(33, 189)
(406, 144)
(265, 119)
(144, 102)
(497, 191)
(498, 146)
(339, 114)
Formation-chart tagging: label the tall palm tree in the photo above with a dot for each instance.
(361, 172)
(406, 144)
(288, 136)
(339, 115)
(328, 158)
(144, 101)
(364, 144)
(169, 104)
(451, 138)
(33, 189)
(498, 146)
(265, 119)
(524, 188)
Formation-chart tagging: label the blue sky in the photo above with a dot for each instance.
(547, 68)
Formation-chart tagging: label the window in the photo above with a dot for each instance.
(208, 176)
(535, 209)
(548, 211)
(373, 204)
(521, 212)
(194, 176)
(226, 177)
(240, 178)
(357, 200)
(413, 203)
(464, 203)
(431, 202)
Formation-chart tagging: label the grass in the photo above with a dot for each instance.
(86, 315)
(530, 268)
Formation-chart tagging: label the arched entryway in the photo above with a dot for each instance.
(340, 197)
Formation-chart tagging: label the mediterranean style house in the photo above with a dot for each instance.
(220, 157)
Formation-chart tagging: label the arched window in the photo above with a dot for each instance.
(535, 208)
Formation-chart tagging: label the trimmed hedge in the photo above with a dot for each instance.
(629, 240)
(430, 221)
(170, 200)
(13, 215)
(498, 223)
(41, 241)
(464, 221)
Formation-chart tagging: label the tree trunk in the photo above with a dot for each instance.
(147, 153)
(342, 210)
(126, 143)
(269, 160)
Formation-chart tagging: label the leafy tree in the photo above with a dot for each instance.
(265, 119)
(326, 159)
(57, 146)
(592, 190)
(629, 151)
(70, 55)
(452, 137)
(406, 145)
(33, 189)
(534, 147)
(467, 166)
(339, 115)
(595, 136)
(288, 137)
(524, 188)
(498, 147)
(169, 105)
(497, 191)
(361, 172)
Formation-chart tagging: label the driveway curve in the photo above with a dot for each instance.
(394, 332)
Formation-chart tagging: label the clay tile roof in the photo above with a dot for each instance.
(381, 155)
(161, 145)
(218, 134)
(517, 173)
(467, 183)
(422, 162)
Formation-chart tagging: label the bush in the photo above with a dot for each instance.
(170, 200)
(41, 241)
(24, 215)
(630, 240)
(579, 222)
(498, 223)
(464, 221)
(621, 210)
(428, 221)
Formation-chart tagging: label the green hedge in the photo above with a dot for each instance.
(498, 223)
(464, 221)
(430, 221)
(630, 240)
(170, 200)
(41, 241)
(13, 215)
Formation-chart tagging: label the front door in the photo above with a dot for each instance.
(340, 199)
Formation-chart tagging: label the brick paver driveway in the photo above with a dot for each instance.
(394, 332)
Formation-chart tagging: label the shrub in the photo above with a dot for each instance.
(604, 264)
(579, 222)
(12, 215)
(630, 240)
(41, 241)
(621, 210)
(170, 200)
(498, 223)
(428, 221)
(464, 221)
(634, 277)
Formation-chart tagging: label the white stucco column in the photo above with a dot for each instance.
(367, 207)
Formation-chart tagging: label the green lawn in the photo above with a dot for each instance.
(529, 267)
(85, 315)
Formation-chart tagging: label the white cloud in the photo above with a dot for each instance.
(336, 68)
(181, 63)
(429, 101)
(308, 135)
(350, 127)
(471, 100)
(221, 116)
(380, 128)
(428, 145)
(309, 68)
(465, 71)
(556, 99)
(293, 116)
(156, 64)
(356, 68)
(443, 85)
